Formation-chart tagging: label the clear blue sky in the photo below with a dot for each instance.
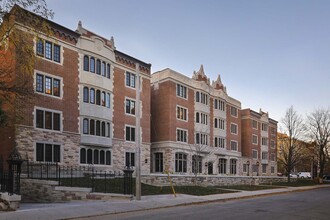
(270, 54)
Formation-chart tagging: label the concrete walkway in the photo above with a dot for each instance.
(79, 209)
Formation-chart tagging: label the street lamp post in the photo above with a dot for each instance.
(138, 136)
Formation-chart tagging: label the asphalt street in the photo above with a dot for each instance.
(312, 204)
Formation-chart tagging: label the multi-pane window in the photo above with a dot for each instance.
(102, 68)
(254, 139)
(86, 94)
(180, 162)
(264, 168)
(129, 159)
(222, 166)
(272, 144)
(254, 124)
(130, 79)
(245, 168)
(233, 128)
(264, 141)
(181, 135)
(130, 133)
(272, 157)
(233, 111)
(92, 96)
(272, 169)
(196, 165)
(98, 67)
(254, 154)
(96, 127)
(130, 107)
(92, 64)
(219, 123)
(264, 155)
(233, 166)
(201, 118)
(96, 156)
(86, 63)
(48, 120)
(48, 85)
(181, 91)
(48, 50)
(233, 145)
(264, 127)
(201, 138)
(100, 97)
(202, 98)
(272, 131)
(48, 152)
(219, 142)
(158, 162)
(181, 113)
(219, 104)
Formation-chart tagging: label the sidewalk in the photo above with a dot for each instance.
(78, 209)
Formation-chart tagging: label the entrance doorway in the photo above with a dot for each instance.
(209, 168)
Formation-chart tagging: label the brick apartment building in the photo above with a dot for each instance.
(192, 118)
(83, 111)
(259, 138)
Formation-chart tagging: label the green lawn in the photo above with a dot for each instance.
(296, 183)
(249, 187)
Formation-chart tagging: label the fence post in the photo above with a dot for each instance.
(128, 189)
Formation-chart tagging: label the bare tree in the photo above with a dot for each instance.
(319, 127)
(289, 141)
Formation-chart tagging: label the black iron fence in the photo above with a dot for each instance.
(82, 176)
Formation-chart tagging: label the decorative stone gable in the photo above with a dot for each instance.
(200, 75)
(218, 85)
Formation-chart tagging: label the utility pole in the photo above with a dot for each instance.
(137, 136)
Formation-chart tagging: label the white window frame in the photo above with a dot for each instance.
(48, 110)
(234, 124)
(183, 108)
(131, 100)
(233, 141)
(176, 135)
(254, 143)
(253, 150)
(184, 94)
(44, 86)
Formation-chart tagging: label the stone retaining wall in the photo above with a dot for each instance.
(207, 180)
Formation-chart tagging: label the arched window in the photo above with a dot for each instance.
(92, 127)
(197, 117)
(89, 156)
(103, 129)
(98, 67)
(92, 65)
(96, 156)
(103, 99)
(85, 126)
(98, 97)
(82, 155)
(86, 93)
(98, 128)
(108, 158)
(108, 71)
(108, 100)
(197, 96)
(92, 96)
(103, 70)
(86, 63)
(216, 123)
(102, 157)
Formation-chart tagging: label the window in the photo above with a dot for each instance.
(254, 124)
(130, 134)
(48, 50)
(129, 159)
(98, 97)
(245, 168)
(92, 69)
(181, 91)
(48, 120)
(103, 129)
(92, 96)
(48, 152)
(108, 100)
(196, 164)
(233, 166)
(202, 98)
(233, 145)
(92, 127)
(219, 142)
(272, 169)
(103, 69)
(272, 130)
(181, 113)
(108, 129)
(86, 63)
(201, 138)
(233, 111)
(254, 154)
(264, 127)
(264, 155)
(197, 96)
(219, 123)
(197, 117)
(219, 104)
(103, 98)
(272, 157)
(96, 156)
(233, 128)
(48, 85)
(158, 162)
(264, 168)
(98, 67)
(222, 166)
(180, 162)
(272, 144)
(85, 126)
(254, 139)
(130, 107)
(108, 71)
(264, 141)
(181, 135)
(130, 79)
(98, 128)
(202, 118)
(86, 94)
